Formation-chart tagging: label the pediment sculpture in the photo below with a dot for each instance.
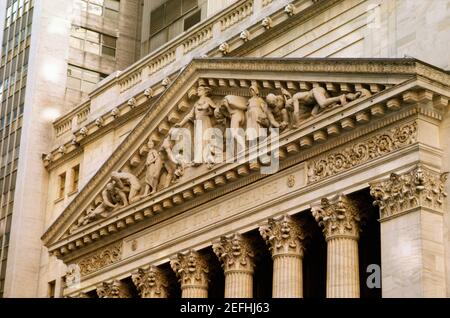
(157, 166)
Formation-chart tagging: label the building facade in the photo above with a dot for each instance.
(350, 180)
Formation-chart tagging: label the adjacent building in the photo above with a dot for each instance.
(94, 203)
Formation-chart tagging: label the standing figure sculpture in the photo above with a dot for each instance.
(201, 113)
(233, 107)
(129, 183)
(173, 164)
(154, 166)
(313, 102)
(258, 114)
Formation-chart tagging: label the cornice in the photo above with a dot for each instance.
(197, 69)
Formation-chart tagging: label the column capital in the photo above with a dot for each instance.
(191, 268)
(418, 187)
(151, 282)
(284, 235)
(113, 289)
(339, 217)
(235, 252)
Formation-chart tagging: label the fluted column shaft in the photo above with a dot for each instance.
(238, 284)
(236, 254)
(340, 219)
(287, 276)
(285, 237)
(342, 268)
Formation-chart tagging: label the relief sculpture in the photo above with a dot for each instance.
(157, 167)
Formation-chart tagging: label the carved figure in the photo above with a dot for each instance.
(311, 103)
(154, 166)
(202, 111)
(173, 164)
(258, 114)
(233, 108)
(129, 183)
(277, 105)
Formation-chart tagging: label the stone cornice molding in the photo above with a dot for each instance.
(339, 217)
(284, 236)
(139, 134)
(401, 193)
(235, 253)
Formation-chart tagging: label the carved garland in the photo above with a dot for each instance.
(372, 148)
(107, 256)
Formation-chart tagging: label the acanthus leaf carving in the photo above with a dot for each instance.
(354, 155)
(284, 235)
(100, 259)
(191, 268)
(113, 289)
(339, 217)
(418, 187)
(235, 252)
(151, 282)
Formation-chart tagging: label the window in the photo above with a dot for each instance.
(171, 19)
(62, 185)
(107, 8)
(75, 177)
(93, 42)
(82, 79)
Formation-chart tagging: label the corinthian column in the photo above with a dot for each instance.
(113, 289)
(341, 225)
(151, 282)
(412, 208)
(192, 270)
(236, 255)
(285, 239)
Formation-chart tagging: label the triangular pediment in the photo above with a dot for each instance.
(307, 91)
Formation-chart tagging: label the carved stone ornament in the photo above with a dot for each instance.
(132, 102)
(99, 122)
(267, 23)
(339, 217)
(62, 150)
(148, 93)
(151, 282)
(115, 112)
(113, 289)
(100, 259)
(191, 268)
(284, 235)
(361, 152)
(84, 131)
(245, 35)
(166, 82)
(235, 252)
(289, 9)
(418, 187)
(224, 48)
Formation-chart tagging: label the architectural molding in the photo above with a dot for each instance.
(401, 193)
(100, 259)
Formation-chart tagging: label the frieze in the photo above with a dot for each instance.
(361, 152)
(100, 259)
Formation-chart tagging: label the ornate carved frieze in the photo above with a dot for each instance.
(339, 217)
(284, 235)
(100, 259)
(151, 282)
(191, 268)
(361, 152)
(418, 187)
(235, 252)
(113, 289)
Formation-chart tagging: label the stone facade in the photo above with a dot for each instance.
(352, 132)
